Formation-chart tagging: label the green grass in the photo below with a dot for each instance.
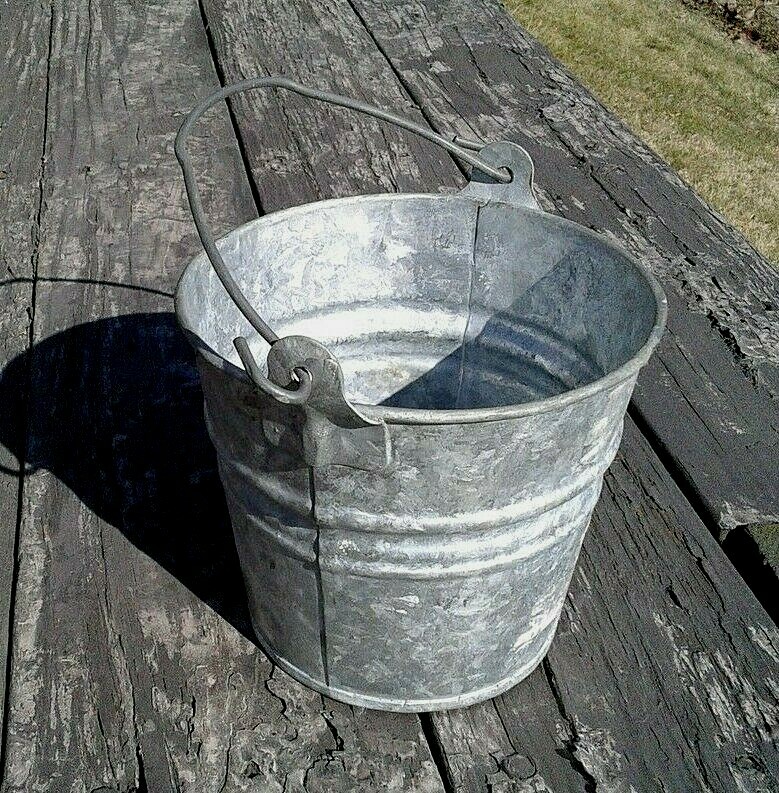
(707, 104)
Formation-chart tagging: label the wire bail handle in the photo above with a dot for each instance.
(457, 146)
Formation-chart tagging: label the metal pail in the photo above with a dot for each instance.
(410, 491)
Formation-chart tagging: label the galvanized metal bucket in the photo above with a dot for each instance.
(411, 473)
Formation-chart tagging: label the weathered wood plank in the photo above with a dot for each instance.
(22, 140)
(290, 155)
(709, 398)
(664, 670)
(299, 150)
(482, 751)
(695, 661)
(131, 668)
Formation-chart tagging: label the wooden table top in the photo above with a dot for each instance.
(130, 662)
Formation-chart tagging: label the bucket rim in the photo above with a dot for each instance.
(409, 415)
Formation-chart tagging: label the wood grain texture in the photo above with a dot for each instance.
(710, 396)
(482, 751)
(132, 669)
(657, 609)
(26, 30)
(664, 673)
(300, 150)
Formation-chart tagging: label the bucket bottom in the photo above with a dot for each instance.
(352, 697)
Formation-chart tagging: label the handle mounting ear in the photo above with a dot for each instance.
(517, 192)
(324, 428)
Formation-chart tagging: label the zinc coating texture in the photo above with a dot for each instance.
(407, 544)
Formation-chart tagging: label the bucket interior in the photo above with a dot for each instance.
(429, 301)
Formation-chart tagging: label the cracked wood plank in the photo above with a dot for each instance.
(657, 611)
(22, 138)
(133, 667)
(664, 669)
(481, 750)
(298, 153)
(300, 150)
(709, 398)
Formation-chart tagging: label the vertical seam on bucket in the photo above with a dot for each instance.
(320, 593)
(471, 276)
